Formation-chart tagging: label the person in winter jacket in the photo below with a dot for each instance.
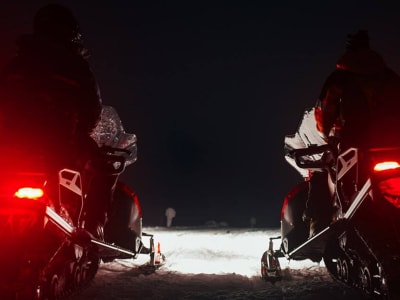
(50, 97)
(355, 99)
(49, 84)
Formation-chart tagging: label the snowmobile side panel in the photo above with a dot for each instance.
(124, 225)
(294, 230)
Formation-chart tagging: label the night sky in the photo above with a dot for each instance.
(212, 88)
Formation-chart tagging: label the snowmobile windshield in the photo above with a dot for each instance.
(110, 132)
(306, 135)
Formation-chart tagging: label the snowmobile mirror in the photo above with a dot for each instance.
(315, 157)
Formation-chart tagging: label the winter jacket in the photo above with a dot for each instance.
(359, 100)
(48, 89)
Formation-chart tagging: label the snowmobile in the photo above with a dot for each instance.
(360, 245)
(46, 252)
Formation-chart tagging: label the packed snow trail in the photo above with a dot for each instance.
(217, 263)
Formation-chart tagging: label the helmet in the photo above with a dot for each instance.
(358, 57)
(359, 40)
(57, 23)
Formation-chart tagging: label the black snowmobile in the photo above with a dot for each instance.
(360, 246)
(46, 252)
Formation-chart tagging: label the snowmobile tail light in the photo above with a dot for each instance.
(29, 193)
(387, 165)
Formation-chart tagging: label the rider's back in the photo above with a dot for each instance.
(384, 126)
(360, 98)
(48, 96)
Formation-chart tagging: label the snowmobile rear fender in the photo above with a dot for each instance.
(21, 219)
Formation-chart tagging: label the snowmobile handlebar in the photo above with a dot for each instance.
(113, 150)
(112, 161)
(315, 157)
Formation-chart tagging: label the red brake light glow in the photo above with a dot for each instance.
(29, 193)
(390, 190)
(387, 165)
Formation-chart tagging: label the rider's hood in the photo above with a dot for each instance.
(361, 61)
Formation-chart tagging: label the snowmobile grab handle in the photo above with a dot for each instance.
(315, 157)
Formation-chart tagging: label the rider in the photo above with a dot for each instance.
(49, 81)
(360, 91)
(50, 95)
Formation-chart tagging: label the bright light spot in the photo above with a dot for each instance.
(219, 251)
(30, 193)
(387, 165)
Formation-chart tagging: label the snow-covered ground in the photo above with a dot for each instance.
(203, 264)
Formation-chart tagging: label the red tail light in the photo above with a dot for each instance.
(389, 186)
(29, 193)
(386, 165)
(386, 177)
